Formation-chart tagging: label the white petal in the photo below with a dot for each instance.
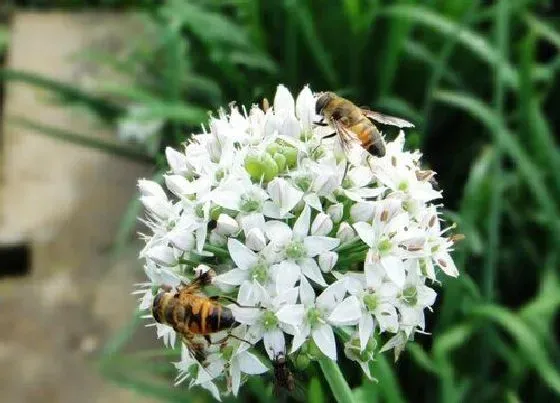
(178, 184)
(278, 232)
(301, 226)
(323, 336)
(290, 126)
(305, 107)
(288, 296)
(315, 245)
(283, 101)
(335, 211)
(313, 200)
(362, 211)
(255, 239)
(274, 343)
(285, 275)
(348, 312)
(177, 161)
(306, 293)
(243, 257)
(250, 364)
(365, 330)
(151, 188)
(327, 260)
(394, 268)
(285, 195)
(445, 262)
(249, 294)
(235, 373)
(365, 232)
(250, 221)
(232, 277)
(332, 295)
(426, 296)
(226, 199)
(247, 316)
(322, 225)
(310, 269)
(162, 255)
(373, 270)
(291, 314)
(181, 239)
(226, 225)
(345, 232)
(300, 337)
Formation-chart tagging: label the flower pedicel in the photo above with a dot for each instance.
(310, 242)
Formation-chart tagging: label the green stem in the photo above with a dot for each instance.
(340, 389)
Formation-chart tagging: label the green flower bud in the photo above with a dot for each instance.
(270, 168)
(273, 148)
(280, 161)
(291, 156)
(254, 167)
(302, 362)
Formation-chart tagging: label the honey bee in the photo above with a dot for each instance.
(353, 123)
(192, 313)
(283, 377)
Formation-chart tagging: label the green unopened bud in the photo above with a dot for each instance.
(280, 161)
(291, 156)
(302, 362)
(254, 167)
(272, 148)
(270, 167)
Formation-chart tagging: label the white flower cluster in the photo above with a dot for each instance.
(313, 242)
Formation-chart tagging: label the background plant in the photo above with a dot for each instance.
(478, 81)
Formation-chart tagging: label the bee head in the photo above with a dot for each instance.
(323, 98)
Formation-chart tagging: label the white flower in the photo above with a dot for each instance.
(297, 247)
(274, 213)
(321, 313)
(270, 321)
(226, 225)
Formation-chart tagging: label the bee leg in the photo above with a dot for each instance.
(328, 136)
(233, 301)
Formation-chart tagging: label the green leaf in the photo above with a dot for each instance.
(304, 18)
(543, 29)
(475, 42)
(84, 140)
(531, 348)
(420, 52)
(510, 145)
(421, 358)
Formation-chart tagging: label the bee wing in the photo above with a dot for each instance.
(347, 138)
(386, 119)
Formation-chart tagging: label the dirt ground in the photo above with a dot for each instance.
(52, 330)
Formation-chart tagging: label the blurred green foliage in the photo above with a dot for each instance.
(477, 78)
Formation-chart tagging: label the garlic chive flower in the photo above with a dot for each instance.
(309, 246)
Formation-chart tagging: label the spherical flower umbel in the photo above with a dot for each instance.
(315, 252)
